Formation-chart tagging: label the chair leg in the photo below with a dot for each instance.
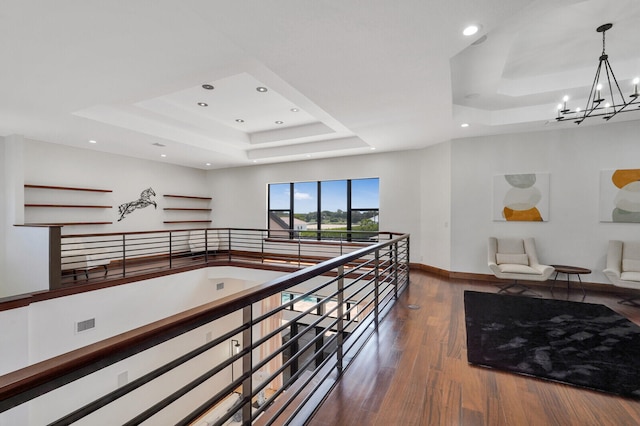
(523, 288)
(630, 301)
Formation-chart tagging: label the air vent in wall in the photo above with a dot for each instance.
(85, 325)
(219, 286)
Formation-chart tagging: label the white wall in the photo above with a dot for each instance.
(574, 158)
(58, 165)
(32, 162)
(3, 214)
(241, 193)
(435, 207)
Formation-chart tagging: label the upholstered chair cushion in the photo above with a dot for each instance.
(630, 276)
(511, 246)
(513, 258)
(630, 265)
(518, 269)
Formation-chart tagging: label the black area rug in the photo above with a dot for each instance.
(580, 344)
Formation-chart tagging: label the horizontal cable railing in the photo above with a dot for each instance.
(268, 359)
(86, 258)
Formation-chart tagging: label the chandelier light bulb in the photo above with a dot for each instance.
(635, 87)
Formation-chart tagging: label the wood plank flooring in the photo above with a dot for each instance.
(414, 371)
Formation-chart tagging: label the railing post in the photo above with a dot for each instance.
(262, 247)
(376, 302)
(395, 270)
(124, 255)
(170, 250)
(206, 246)
(55, 257)
(340, 324)
(299, 251)
(247, 365)
(229, 243)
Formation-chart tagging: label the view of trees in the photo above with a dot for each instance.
(338, 217)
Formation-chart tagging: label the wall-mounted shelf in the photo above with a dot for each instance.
(186, 196)
(69, 223)
(187, 221)
(66, 188)
(189, 204)
(187, 209)
(76, 206)
(40, 198)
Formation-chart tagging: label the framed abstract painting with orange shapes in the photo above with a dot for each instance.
(521, 197)
(620, 195)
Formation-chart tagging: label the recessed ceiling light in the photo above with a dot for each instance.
(294, 110)
(92, 141)
(470, 30)
(239, 120)
(464, 125)
(373, 148)
(279, 122)
(261, 89)
(163, 155)
(255, 161)
(207, 164)
(207, 86)
(202, 104)
(308, 155)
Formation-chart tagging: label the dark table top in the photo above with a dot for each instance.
(565, 269)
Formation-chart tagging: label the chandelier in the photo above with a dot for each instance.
(597, 104)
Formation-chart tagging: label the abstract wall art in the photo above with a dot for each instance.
(521, 197)
(620, 195)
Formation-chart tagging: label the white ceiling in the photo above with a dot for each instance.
(343, 77)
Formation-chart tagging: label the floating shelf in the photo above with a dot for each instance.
(67, 188)
(186, 196)
(187, 221)
(69, 223)
(187, 209)
(69, 206)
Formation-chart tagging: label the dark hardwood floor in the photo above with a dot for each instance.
(414, 371)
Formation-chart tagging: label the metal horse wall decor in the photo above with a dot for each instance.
(142, 202)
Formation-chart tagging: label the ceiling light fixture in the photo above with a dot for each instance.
(207, 87)
(239, 120)
(207, 164)
(464, 125)
(202, 104)
(596, 105)
(279, 122)
(92, 141)
(470, 30)
(163, 155)
(261, 89)
(294, 110)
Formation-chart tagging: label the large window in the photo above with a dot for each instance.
(342, 208)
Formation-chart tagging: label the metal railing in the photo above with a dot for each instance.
(290, 352)
(96, 257)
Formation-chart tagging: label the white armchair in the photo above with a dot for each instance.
(516, 259)
(623, 267)
(199, 243)
(76, 256)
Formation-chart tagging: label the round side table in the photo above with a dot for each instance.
(568, 271)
